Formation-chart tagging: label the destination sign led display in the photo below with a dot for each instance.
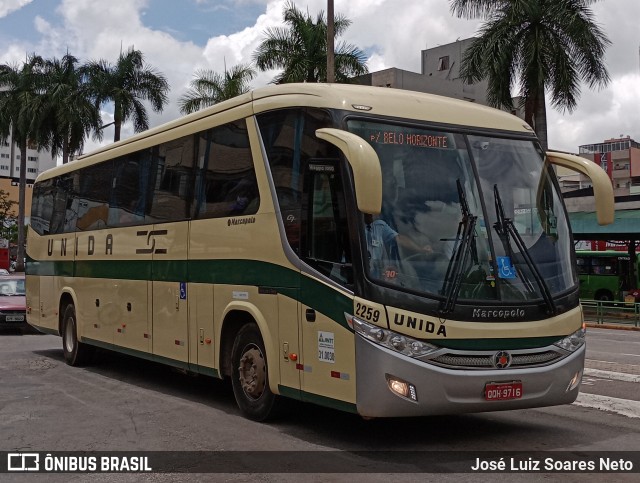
(411, 139)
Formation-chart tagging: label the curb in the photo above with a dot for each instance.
(612, 326)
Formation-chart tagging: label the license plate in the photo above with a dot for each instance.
(501, 391)
(14, 318)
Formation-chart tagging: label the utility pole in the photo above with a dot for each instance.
(331, 68)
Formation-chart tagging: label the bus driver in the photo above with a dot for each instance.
(382, 253)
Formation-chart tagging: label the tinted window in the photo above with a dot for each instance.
(131, 192)
(93, 186)
(172, 173)
(226, 180)
(290, 141)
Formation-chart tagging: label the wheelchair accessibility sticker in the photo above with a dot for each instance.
(505, 268)
(183, 291)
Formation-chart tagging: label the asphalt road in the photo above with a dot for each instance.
(125, 404)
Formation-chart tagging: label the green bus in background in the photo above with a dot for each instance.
(605, 275)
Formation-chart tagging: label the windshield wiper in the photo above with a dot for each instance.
(462, 248)
(505, 227)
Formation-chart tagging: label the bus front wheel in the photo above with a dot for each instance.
(250, 375)
(75, 352)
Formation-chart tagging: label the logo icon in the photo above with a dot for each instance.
(151, 242)
(23, 462)
(502, 360)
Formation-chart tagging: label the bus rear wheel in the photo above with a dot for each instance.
(250, 375)
(75, 352)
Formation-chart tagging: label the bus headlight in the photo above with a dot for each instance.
(391, 340)
(572, 342)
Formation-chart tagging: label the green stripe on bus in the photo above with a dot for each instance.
(208, 371)
(314, 294)
(316, 399)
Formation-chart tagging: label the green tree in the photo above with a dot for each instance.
(538, 45)
(8, 219)
(127, 84)
(20, 89)
(67, 111)
(300, 49)
(208, 87)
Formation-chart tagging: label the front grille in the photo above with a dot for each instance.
(485, 361)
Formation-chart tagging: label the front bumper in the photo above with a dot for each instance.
(13, 321)
(448, 391)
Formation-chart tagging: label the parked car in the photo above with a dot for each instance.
(13, 308)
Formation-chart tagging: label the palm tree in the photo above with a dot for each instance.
(539, 45)
(300, 49)
(67, 112)
(127, 84)
(208, 87)
(20, 88)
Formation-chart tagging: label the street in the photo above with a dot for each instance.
(125, 404)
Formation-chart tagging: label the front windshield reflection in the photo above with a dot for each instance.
(429, 196)
(513, 175)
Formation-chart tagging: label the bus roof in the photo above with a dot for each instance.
(378, 101)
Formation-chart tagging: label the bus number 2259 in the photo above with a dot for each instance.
(367, 313)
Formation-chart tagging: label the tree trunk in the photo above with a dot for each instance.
(331, 77)
(65, 151)
(117, 122)
(540, 121)
(21, 198)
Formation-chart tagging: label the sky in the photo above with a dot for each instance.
(178, 37)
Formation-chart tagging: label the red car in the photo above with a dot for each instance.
(13, 308)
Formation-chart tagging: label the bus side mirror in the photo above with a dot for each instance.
(602, 189)
(365, 164)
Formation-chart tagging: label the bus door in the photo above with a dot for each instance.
(169, 244)
(327, 345)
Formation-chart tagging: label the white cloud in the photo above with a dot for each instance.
(8, 6)
(392, 32)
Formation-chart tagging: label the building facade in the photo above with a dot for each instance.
(37, 162)
(440, 75)
(620, 158)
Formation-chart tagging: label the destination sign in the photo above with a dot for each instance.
(409, 139)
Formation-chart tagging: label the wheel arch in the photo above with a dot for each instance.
(235, 316)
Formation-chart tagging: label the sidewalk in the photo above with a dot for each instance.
(595, 325)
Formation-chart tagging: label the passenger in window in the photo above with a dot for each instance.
(382, 247)
(242, 197)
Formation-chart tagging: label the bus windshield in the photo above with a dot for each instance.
(465, 217)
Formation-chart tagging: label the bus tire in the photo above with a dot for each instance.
(604, 296)
(75, 352)
(250, 375)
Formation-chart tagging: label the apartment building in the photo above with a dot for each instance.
(620, 158)
(37, 162)
(440, 74)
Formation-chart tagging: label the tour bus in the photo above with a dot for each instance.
(379, 251)
(604, 275)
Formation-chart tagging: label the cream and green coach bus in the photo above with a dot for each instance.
(379, 251)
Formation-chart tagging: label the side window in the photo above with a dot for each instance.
(42, 207)
(583, 266)
(325, 241)
(290, 141)
(226, 179)
(130, 193)
(172, 175)
(91, 201)
(604, 266)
